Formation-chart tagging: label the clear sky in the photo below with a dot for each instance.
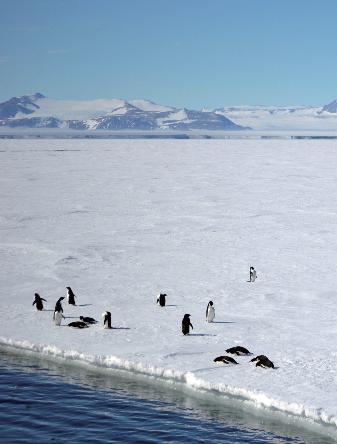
(191, 53)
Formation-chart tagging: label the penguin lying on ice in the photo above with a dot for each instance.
(78, 324)
(263, 361)
(239, 351)
(88, 320)
(225, 360)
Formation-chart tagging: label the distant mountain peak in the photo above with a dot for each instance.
(330, 107)
(23, 104)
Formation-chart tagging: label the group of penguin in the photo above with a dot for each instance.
(84, 322)
(261, 360)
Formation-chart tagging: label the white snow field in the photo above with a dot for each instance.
(121, 221)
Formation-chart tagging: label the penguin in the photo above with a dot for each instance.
(88, 320)
(210, 312)
(71, 297)
(252, 274)
(78, 324)
(38, 301)
(58, 305)
(186, 324)
(263, 361)
(161, 300)
(58, 312)
(238, 350)
(225, 360)
(107, 319)
(57, 318)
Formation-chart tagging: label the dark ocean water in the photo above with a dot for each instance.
(43, 401)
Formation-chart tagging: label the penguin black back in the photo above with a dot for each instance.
(58, 305)
(186, 324)
(263, 361)
(225, 360)
(78, 324)
(71, 296)
(238, 350)
(162, 299)
(38, 302)
(88, 320)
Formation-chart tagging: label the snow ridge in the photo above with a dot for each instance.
(254, 398)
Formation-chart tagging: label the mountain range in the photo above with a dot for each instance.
(38, 111)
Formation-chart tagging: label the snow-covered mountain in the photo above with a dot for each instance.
(283, 117)
(19, 105)
(330, 107)
(38, 111)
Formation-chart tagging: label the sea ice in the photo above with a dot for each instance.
(121, 221)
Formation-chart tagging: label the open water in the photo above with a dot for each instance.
(44, 401)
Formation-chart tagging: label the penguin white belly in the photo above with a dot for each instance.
(57, 318)
(210, 314)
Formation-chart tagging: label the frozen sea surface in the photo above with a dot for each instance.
(120, 221)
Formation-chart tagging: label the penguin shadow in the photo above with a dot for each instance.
(222, 322)
(117, 328)
(207, 369)
(83, 305)
(71, 317)
(199, 334)
(171, 305)
(47, 310)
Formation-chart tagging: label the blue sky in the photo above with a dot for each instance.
(191, 53)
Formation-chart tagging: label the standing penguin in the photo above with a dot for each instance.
(210, 312)
(186, 324)
(252, 274)
(38, 301)
(70, 296)
(161, 300)
(58, 312)
(107, 319)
